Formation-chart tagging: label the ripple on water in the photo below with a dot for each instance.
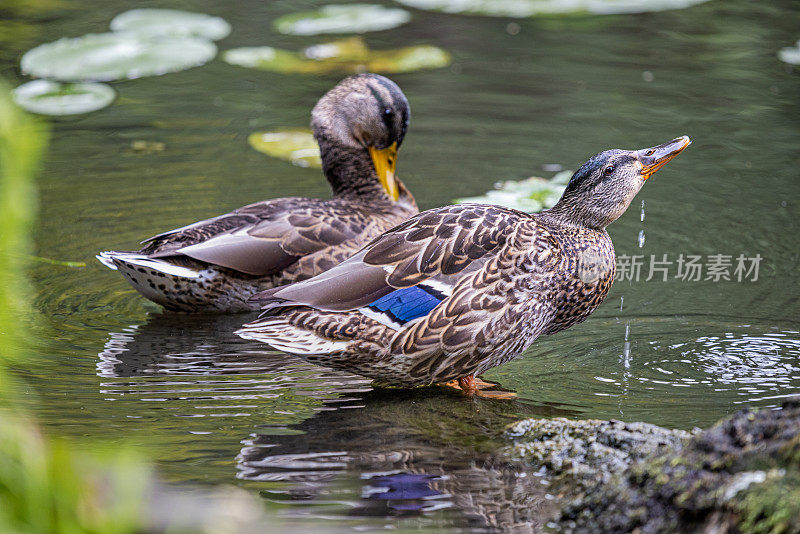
(660, 372)
(758, 367)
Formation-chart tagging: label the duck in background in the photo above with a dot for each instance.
(215, 265)
(457, 290)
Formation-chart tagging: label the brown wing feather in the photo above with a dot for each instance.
(264, 238)
(482, 319)
(440, 242)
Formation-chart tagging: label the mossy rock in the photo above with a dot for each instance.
(741, 475)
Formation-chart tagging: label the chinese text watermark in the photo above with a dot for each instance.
(688, 268)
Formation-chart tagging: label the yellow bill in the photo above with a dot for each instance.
(385, 161)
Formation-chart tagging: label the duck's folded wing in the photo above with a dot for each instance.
(431, 250)
(262, 243)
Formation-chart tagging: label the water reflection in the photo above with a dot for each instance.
(198, 369)
(323, 444)
(400, 454)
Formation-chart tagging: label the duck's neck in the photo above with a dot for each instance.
(573, 213)
(350, 171)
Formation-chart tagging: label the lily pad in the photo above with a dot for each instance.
(115, 56)
(531, 195)
(173, 22)
(344, 56)
(531, 8)
(790, 54)
(351, 18)
(296, 146)
(53, 98)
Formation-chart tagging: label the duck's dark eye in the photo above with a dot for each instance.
(609, 169)
(649, 152)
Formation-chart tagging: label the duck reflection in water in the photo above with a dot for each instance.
(428, 453)
(176, 344)
(368, 457)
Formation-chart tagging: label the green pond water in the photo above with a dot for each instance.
(521, 96)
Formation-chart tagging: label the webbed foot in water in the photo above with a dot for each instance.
(476, 387)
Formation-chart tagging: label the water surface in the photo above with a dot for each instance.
(212, 408)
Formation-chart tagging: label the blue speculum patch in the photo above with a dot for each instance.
(406, 304)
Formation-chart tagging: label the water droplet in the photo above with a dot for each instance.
(648, 76)
(621, 301)
(641, 217)
(626, 348)
(641, 238)
(513, 28)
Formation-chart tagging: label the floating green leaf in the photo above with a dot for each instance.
(408, 59)
(351, 18)
(115, 56)
(171, 22)
(790, 54)
(53, 98)
(297, 146)
(530, 8)
(345, 56)
(530, 195)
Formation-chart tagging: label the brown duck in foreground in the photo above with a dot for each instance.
(457, 290)
(217, 264)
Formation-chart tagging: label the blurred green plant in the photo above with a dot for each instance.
(22, 142)
(45, 485)
(54, 486)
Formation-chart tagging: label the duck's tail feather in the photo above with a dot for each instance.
(133, 262)
(280, 334)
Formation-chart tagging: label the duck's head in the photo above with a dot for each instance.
(361, 123)
(602, 188)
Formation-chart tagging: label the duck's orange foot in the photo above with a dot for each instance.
(472, 386)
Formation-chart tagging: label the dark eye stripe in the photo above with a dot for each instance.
(382, 109)
(399, 103)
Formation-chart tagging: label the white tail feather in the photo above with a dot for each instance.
(112, 260)
(278, 333)
(107, 259)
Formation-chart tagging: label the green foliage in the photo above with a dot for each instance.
(22, 141)
(47, 487)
